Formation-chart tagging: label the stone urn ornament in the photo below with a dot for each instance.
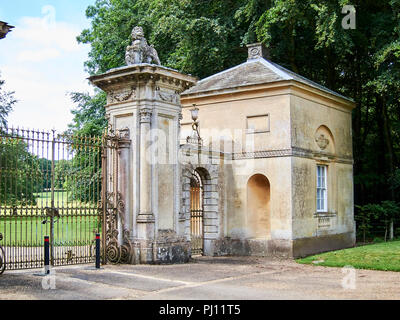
(139, 51)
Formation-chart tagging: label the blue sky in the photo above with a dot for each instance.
(41, 60)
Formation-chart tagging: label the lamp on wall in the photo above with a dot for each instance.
(194, 138)
(195, 116)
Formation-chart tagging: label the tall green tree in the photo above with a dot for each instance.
(89, 114)
(307, 37)
(193, 36)
(81, 175)
(7, 101)
(21, 176)
(204, 37)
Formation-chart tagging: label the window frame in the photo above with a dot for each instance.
(322, 187)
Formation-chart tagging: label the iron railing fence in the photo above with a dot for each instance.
(50, 184)
(377, 230)
(367, 231)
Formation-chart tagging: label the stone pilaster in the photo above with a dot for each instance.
(123, 168)
(145, 212)
(146, 99)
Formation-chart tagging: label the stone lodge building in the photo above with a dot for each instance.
(265, 168)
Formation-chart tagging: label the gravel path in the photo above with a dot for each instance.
(205, 278)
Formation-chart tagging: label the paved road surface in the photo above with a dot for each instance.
(205, 278)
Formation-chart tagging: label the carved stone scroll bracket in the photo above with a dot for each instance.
(114, 139)
(124, 133)
(124, 141)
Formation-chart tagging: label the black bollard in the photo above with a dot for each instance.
(46, 255)
(97, 251)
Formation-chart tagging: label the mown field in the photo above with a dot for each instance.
(379, 256)
(27, 226)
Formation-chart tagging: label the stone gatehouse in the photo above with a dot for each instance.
(254, 160)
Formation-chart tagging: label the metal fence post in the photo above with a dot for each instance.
(104, 195)
(97, 250)
(46, 255)
(53, 143)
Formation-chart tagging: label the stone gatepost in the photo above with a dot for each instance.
(145, 98)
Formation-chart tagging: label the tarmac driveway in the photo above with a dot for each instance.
(205, 278)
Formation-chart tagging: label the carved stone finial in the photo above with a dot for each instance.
(257, 50)
(140, 51)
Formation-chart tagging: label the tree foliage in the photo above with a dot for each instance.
(81, 176)
(21, 176)
(7, 101)
(204, 37)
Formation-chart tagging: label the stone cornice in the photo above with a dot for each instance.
(142, 73)
(293, 152)
(262, 154)
(189, 150)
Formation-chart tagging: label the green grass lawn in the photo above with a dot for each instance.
(76, 225)
(379, 256)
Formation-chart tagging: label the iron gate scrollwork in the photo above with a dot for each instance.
(117, 249)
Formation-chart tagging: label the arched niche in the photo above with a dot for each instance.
(210, 198)
(258, 207)
(324, 140)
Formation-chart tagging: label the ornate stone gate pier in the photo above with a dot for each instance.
(143, 99)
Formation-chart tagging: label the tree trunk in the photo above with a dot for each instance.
(389, 145)
(382, 168)
(357, 125)
(386, 229)
(391, 230)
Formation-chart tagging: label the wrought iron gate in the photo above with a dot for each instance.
(50, 184)
(196, 214)
(117, 247)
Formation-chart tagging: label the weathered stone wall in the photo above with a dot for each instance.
(304, 128)
(309, 112)
(225, 118)
(266, 151)
(277, 171)
(321, 135)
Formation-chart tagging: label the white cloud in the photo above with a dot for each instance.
(38, 55)
(42, 63)
(42, 103)
(39, 33)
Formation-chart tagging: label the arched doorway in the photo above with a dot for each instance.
(196, 214)
(258, 207)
